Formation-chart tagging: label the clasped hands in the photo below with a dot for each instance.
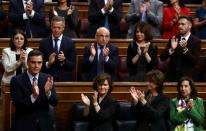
(29, 7)
(137, 96)
(108, 6)
(53, 55)
(93, 51)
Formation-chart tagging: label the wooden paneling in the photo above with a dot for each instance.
(69, 93)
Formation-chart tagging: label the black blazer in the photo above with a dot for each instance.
(97, 19)
(183, 64)
(104, 119)
(28, 115)
(90, 68)
(36, 24)
(61, 71)
(153, 116)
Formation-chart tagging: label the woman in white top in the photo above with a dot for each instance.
(14, 57)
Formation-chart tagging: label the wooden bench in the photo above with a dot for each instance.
(69, 93)
(122, 44)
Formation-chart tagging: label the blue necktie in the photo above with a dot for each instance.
(100, 66)
(56, 46)
(106, 22)
(143, 18)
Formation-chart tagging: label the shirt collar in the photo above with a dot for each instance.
(59, 38)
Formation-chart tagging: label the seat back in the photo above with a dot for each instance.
(79, 122)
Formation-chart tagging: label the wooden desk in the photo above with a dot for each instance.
(69, 93)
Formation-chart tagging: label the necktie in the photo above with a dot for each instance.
(34, 79)
(143, 18)
(106, 22)
(100, 66)
(56, 46)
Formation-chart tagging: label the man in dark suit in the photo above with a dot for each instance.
(59, 52)
(100, 56)
(33, 94)
(183, 51)
(107, 13)
(28, 15)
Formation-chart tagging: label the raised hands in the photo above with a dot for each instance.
(137, 95)
(108, 6)
(85, 100)
(106, 52)
(174, 42)
(54, 12)
(70, 10)
(29, 7)
(35, 89)
(92, 49)
(48, 85)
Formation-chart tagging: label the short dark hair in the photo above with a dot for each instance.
(193, 93)
(157, 77)
(34, 53)
(11, 43)
(58, 19)
(144, 28)
(100, 79)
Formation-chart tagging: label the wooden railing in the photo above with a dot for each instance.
(69, 93)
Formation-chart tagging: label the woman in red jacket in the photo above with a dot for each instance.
(171, 13)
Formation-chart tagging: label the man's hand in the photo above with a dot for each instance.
(51, 59)
(61, 56)
(35, 89)
(48, 85)
(92, 50)
(29, 7)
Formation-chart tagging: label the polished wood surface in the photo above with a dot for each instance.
(69, 93)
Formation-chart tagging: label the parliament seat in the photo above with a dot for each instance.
(78, 121)
(124, 119)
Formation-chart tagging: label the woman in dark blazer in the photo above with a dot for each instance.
(141, 53)
(151, 108)
(100, 109)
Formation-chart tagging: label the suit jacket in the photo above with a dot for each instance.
(35, 24)
(97, 19)
(196, 114)
(90, 68)
(154, 18)
(141, 62)
(10, 65)
(61, 71)
(104, 119)
(182, 64)
(30, 116)
(168, 15)
(153, 116)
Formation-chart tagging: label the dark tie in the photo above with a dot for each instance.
(100, 66)
(106, 22)
(56, 46)
(34, 79)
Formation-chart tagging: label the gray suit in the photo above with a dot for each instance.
(154, 18)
